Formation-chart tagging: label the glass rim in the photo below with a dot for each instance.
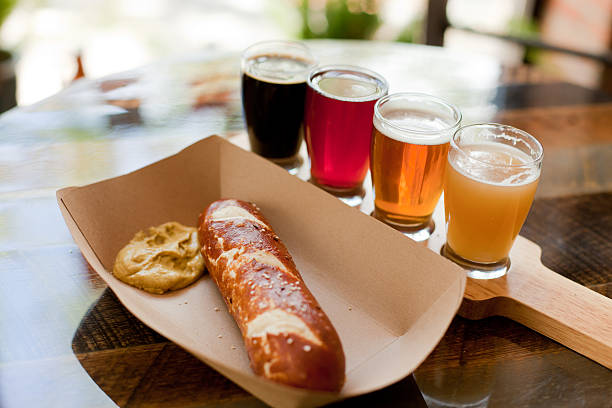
(528, 136)
(441, 101)
(293, 43)
(310, 58)
(349, 68)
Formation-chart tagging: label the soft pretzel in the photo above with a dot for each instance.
(289, 339)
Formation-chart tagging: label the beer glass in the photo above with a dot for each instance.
(493, 171)
(338, 127)
(273, 91)
(410, 142)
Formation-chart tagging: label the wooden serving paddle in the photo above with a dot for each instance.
(543, 300)
(539, 298)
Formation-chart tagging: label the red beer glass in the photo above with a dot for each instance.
(338, 115)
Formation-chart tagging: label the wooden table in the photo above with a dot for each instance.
(66, 341)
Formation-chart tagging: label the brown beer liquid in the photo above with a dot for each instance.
(407, 177)
(273, 93)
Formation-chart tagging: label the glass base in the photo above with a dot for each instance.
(352, 197)
(418, 232)
(477, 270)
(434, 403)
(291, 164)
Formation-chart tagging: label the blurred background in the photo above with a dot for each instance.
(49, 43)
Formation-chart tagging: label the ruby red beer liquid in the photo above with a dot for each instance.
(338, 124)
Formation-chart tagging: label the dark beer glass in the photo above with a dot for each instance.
(274, 77)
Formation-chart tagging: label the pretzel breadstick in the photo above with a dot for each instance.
(288, 337)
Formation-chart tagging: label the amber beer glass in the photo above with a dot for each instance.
(410, 142)
(493, 172)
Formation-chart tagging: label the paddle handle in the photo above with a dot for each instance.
(541, 299)
(563, 310)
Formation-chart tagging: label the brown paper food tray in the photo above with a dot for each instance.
(390, 299)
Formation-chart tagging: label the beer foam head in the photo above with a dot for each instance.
(496, 154)
(347, 87)
(348, 83)
(416, 119)
(278, 69)
(495, 163)
(278, 61)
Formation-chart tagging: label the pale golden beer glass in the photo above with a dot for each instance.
(493, 172)
(410, 142)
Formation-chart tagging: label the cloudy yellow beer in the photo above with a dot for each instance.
(485, 207)
(491, 179)
(410, 143)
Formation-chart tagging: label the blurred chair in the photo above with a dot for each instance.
(437, 23)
